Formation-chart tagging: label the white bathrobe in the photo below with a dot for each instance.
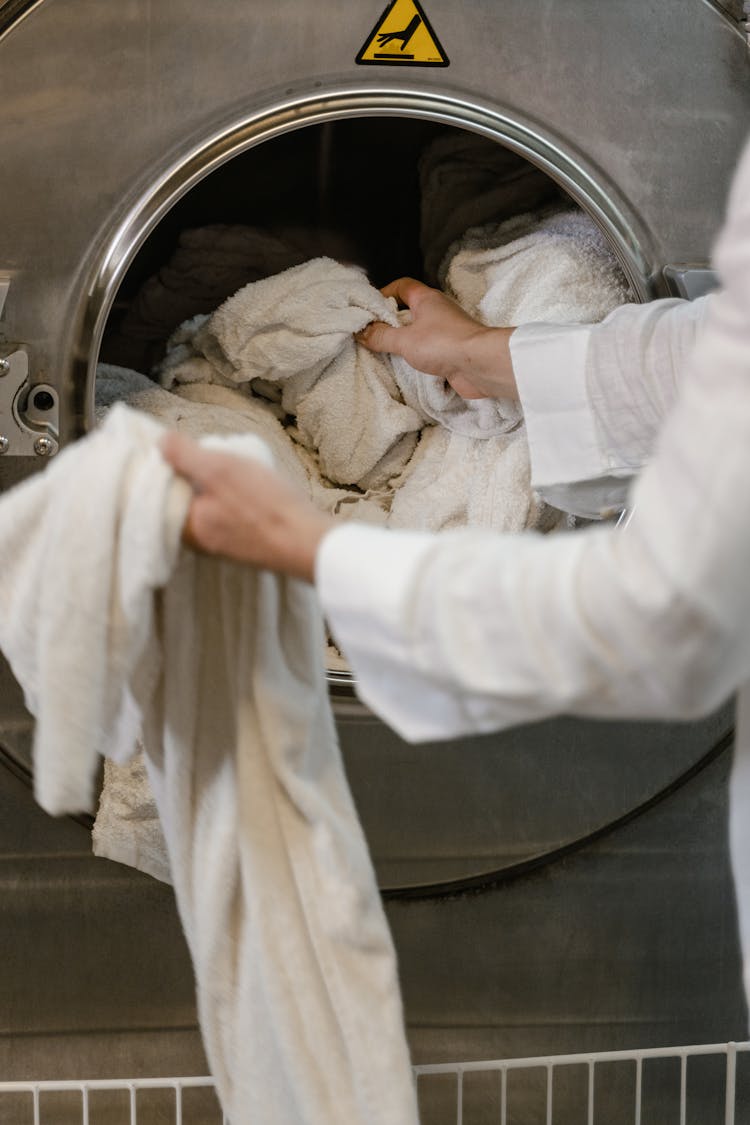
(108, 625)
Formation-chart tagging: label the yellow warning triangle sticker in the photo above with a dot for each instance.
(403, 37)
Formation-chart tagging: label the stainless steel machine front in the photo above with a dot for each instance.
(564, 886)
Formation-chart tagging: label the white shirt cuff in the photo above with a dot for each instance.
(357, 566)
(366, 579)
(549, 362)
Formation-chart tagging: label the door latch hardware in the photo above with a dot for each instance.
(29, 413)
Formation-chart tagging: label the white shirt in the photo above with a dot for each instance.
(470, 631)
(595, 397)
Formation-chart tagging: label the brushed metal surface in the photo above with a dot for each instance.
(103, 106)
(629, 943)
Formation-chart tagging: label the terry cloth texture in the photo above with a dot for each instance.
(358, 418)
(127, 828)
(553, 267)
(108, 627)
(209, 408)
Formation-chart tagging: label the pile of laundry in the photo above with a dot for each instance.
(366, 436)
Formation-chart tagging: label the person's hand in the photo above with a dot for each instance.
(444, 341)
(245, 511)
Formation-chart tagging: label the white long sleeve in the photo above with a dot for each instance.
(595, 397)
(470, 631)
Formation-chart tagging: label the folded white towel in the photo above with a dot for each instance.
(295, 970)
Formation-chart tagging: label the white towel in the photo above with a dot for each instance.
(358, 413)
(554, 267)
(72, 604)
(295, 970)
(294, 331)
(202, 408)
(455, 481)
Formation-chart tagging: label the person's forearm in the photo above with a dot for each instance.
(471, 631)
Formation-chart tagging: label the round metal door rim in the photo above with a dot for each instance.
(13, 12)
(490, 880)
(486, 880)
(153, 200)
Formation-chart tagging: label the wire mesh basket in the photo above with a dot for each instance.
(696, 1085)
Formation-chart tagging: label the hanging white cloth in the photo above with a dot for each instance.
(108, 626)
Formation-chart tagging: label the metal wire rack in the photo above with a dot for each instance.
(696, 1085)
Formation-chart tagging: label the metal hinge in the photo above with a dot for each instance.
(29, 414)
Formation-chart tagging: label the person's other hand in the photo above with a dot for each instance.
(444, 341)
(245, 511)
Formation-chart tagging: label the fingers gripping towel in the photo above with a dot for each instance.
(359, 413)
(295, 970)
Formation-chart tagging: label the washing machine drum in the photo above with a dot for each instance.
(127, 127)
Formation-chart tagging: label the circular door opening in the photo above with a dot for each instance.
(392, 195)
(317, 162)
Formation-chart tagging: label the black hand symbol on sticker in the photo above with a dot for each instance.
(386, 37)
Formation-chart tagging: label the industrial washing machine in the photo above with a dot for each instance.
(560, 887)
